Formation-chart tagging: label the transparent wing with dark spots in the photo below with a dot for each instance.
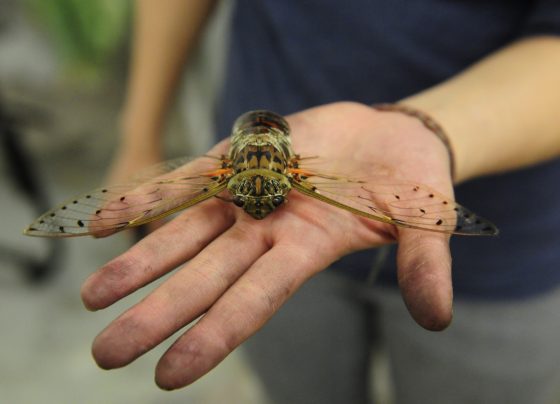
(381, 197)
(155, 193)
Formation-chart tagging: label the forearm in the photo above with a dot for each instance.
(503, 112)
(164, 34)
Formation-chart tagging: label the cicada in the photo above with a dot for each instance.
(257, 175)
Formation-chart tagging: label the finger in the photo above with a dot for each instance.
(179, 300)
(156, 254)
(424, 273)
(243, 309)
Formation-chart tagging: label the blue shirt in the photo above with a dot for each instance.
(293, 54)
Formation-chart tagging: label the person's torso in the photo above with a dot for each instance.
(291, 55)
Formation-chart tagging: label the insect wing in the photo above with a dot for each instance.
(388, 200)
(155, 193)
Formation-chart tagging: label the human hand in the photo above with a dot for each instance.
(240, 270)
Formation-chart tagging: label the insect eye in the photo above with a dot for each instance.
(238, 201)
(277, 200)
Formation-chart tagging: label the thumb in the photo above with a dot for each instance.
(424, 274)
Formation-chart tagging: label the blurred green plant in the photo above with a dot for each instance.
(87, 33)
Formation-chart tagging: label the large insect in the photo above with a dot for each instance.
(256, 175)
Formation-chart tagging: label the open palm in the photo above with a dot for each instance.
(239, 271)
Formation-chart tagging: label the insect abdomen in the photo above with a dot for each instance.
(260, 118)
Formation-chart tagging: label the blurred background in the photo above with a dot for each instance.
(62, 75)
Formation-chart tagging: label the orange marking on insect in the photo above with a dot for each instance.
(218, 173)
(300, 171)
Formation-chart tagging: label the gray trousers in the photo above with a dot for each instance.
(319, 349)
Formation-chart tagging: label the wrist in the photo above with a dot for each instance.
(465, 135)
(428, 122)
(412, 150)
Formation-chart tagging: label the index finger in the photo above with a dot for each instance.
(155, 255)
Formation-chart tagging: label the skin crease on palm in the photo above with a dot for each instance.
(241, 270)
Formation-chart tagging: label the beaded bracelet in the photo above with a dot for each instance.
(428, 122)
